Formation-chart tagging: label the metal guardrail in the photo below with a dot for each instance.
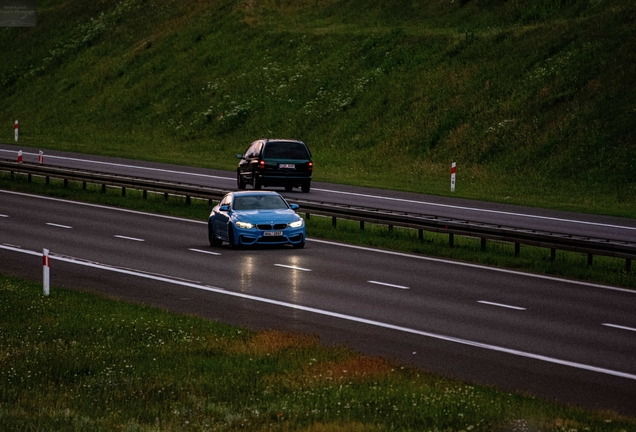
(552, 240)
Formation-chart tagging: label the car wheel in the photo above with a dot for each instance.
(299, 245)
(257, 184)
(214, 241)
(305, 187)
(288, 188)
(239, 181)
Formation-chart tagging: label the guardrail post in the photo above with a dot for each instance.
(517, 249)
(48, 180)
(628, 265)
(65, 182)
(103, 187)
(165, 195)
(334, 221)
(483, 243)
(123, 191)
(84, 185)
(29, 178)
(451, 240)
(145, 194)
(553, 254)
(589, 259)
(362, 225)
(420, 234)
(390, 228)
(307, 216)
(187, 199)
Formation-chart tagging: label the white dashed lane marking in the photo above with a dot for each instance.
(204, 251)
(619, 327)
(388, 285)
(501, 305)
(292, 267)
(129, 238)
(59, 226)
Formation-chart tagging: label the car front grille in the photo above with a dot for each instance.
(268, 227)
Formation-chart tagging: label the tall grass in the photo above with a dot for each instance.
(532, 99)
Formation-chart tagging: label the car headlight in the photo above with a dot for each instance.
(244, 225)
(297, 224)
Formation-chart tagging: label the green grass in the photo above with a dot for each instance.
(533, 99)
(571, 265)
(77, 361)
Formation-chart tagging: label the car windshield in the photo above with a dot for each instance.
(286, 150)
(259, 202)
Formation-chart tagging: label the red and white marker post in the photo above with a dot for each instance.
(16, 131)
(19, 156)
(46, 262)
(41, 157)
(453, 169)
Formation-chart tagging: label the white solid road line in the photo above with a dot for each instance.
(58, 225)
(426, 203)
(323, 312)
(204, 251)
(389, 285)
(292, 267)
(501, 305)
(129, 238)
(619, 327)
(3, 215)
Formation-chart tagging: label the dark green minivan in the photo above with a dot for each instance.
(275, 162)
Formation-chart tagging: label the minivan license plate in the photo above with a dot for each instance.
(288, 166)
(273, 233)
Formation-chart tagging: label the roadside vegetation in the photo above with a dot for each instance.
(76, 361)
(605, 270)
(534, 100)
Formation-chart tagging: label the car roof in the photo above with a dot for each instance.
(254, 193)
(266, 140)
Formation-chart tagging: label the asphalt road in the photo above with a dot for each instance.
(498, 214)
(570, 341)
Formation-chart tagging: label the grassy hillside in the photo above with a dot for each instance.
(534, 99)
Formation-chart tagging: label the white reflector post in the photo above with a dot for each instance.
(46, 271)
(19, 156)
(16, 131)
(41, 157)
(453, 168)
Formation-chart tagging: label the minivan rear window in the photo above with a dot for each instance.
(285, 150)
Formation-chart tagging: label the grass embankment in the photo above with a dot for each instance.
(534, 100)
(76, 361)
(532, 259)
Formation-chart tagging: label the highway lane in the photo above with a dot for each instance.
(551, 337)
(500, 214)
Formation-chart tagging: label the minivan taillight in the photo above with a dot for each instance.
(311, 166)
(261, 164)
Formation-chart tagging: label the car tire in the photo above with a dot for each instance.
(306, 186)
(214, 241)
(299, 245)
(239, 181)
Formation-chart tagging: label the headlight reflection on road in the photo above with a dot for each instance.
(247, 270)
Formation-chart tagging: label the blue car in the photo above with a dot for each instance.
(255, 217)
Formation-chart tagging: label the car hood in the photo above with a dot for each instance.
(266, 216)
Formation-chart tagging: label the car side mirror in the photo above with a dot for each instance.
(224, 208)
(294, 206)
(239, 156)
